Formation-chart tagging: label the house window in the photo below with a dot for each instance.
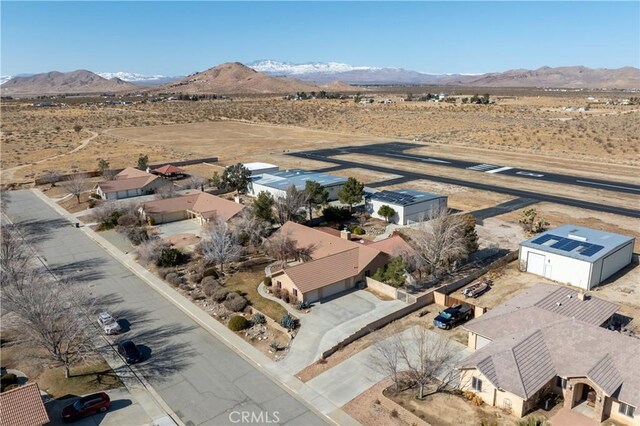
(278, 284)
(295, 292)
(476, 384)
(561, 382)
(626, 409)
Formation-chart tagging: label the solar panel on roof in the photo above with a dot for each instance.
(570, 245)
(593, 249)
(542, 239)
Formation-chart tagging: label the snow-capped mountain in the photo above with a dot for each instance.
(142, 79)
(269, 66)
(5, 78)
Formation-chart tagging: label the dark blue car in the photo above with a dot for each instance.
(129, 351)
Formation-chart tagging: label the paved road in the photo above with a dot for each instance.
(395, 150)
(407, 176)
(197, 375)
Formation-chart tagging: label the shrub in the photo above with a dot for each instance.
(267, 281)
(92, 203)
(394, 413)
(137, 235)
(195, 277)
(220, 295)
(173, 279)
(10, 387)
(284, 295)
(234, 302)
(275, 346)
(277, 292)
(258, 318)
(162, 272)
(237, 323)
(358, 230)
(302, 305)
(186, 287)
(209, 286)
(110, 221)
(211, 272)
(288, 322)
(128, 219)
(169, 256)
(336, 214)
(7, 380)
(468, 395)
(477, 401)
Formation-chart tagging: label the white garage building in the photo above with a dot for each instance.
(258, 168)
(574, 255)
(409, 205)
(277, 183)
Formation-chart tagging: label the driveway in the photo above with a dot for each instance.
(180, 227)
(332, 321)
(124, 410)
(356, 374)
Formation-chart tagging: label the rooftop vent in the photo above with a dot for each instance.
(558, 304)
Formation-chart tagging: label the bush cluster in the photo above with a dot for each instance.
(234, 302)
(288, 322)
(258, 318)
(336, 214)
(8, 381)
(267, 281)
(237, 323)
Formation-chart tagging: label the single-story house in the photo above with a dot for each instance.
(258, 168)
(23, 406)
(169, 172)
(575, 255)
(337, 264)
(195, 205)
(549, 339)
(409, 205)
(129, 183)
(277, 183)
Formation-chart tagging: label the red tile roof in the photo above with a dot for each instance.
(23, 406)
(202, 203)
(168, 169)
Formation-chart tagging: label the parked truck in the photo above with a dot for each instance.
(452, 316)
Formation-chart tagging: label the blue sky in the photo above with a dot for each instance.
(178, 38)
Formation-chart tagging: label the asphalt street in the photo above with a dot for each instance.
(199, 377)
(326, 155)
(395, 150)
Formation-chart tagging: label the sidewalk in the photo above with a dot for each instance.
(294, 386)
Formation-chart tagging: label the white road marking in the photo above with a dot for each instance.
(501, 169)
(529, 174)
(482, 167)
(604, 184)
(430, 160)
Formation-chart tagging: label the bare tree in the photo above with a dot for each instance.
(196, 182)
(76, 184)
(166, 191)
(288, 207)
(149, 252)
(254, 228)
(429, 359)
(13, 253)
(5, 199)
(441, 241)
(51, 177)
(220, 243)
(281, 247)
(386, 359)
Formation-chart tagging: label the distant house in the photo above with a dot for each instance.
(547, 340)
(169, 172)
(258, 168)
(197, 205)
(575, 255)
(277, 183)
(337, 264)
(23, 406)
(129, 183)
(409, 205)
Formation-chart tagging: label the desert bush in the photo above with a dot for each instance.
(211, 272)
(186, 287)
(336, 214)
(92, 203)
(195, 277)
(288, 322)
(237, 323)
(275, 346)
(359, 230)
(477, 401)
(209, 286)
(468, 395)
(128, 219)
(258, 318)
(276, 292)
(532, 421)
(162, 272)
(169, 256)
(267, 281)
(173, 279)
(220, 295)
(300, 305)
(234, 302)
(284, 295)
(137, 235)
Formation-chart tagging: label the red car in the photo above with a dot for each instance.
(85, 406)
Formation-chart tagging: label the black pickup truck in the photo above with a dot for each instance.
(452, 316)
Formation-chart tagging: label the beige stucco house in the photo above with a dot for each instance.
(550, 339)
(196, 205)
(337, 264)
(128, 183)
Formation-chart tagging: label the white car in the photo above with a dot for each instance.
(108, 323)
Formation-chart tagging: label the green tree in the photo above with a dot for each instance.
(143, 161)
(470, 234)
(315, 195)
(485, 98)
(216, 180)
(394, 273)
(351, 193)
(103, 165)
(236, 178)
(387, 212)
(263, 206)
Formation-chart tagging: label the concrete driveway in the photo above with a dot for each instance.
(356, 374)
(332, 321)
(180, 227)
(124, 410)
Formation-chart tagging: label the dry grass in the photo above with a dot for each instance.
(246, 283)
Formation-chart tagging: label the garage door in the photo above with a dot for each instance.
(535, 263)
(334, 289)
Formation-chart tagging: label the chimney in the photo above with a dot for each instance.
(345, 234)
(583, 296)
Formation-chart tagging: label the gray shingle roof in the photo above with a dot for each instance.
(606, 374)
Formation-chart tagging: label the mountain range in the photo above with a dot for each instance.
(268, 76)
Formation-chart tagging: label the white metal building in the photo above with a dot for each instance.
(277, 183)
(575, 255)
(409, 205)
(258, 168)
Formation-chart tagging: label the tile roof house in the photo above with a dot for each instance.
(337, 264)
(130, 182)
(23, 406)
(169, 172)
(195, 205)
(549, 339)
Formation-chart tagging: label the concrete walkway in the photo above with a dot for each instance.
(355, 375)
(243, 349)
(262, 291)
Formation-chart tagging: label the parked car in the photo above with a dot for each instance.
(85, 406)
(452, 316)
(129, 351)
(108, 323)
